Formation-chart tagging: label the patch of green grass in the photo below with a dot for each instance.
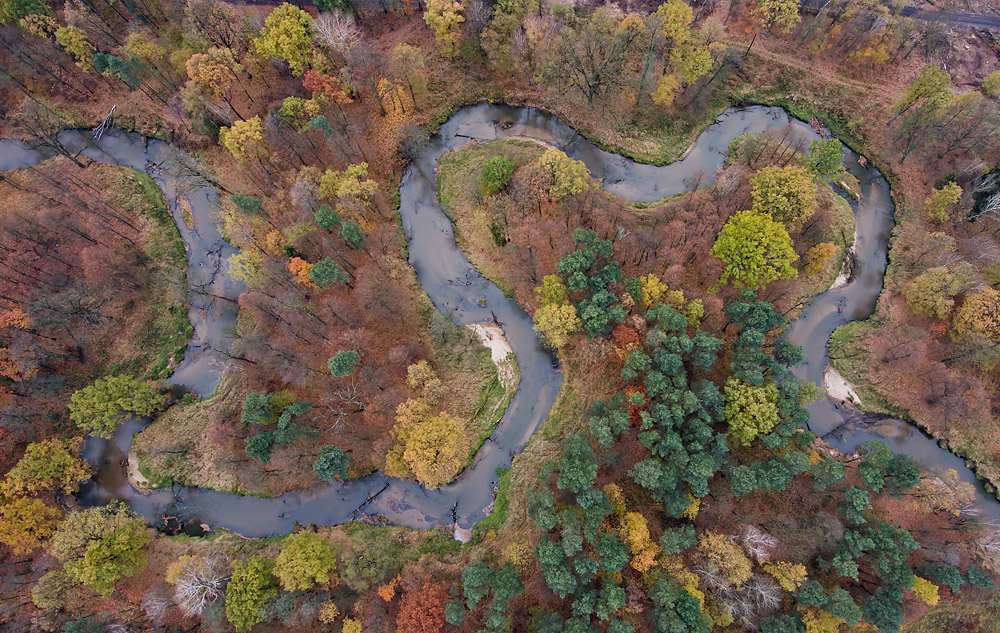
(501, 505)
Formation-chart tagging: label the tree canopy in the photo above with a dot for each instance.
(99, 545)
(306, 559)
(250, 586)
(756, 250)
(787, 194)
(99, 407)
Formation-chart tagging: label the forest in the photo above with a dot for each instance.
(541, 316)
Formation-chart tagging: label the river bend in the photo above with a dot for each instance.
(461, 293)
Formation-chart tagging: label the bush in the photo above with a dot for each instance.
(991, 84)
(818, 258)
(495, 175)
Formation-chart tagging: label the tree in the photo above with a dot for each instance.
(445, 18)
(931, 85)
(991, 84)
(925, 590)
(666, 90)
(337, 31)
(592, 58)
(578, 467)
(213, 71)
(258, 408)
(781, 13)
(198, 580)
(496, 173)
(557, 322)
(326, 218)
(675, 610)
(789, 575)
(942, 199)
(811, 593)
(635, 532)
(569, 176)
(879, 469)
(676, 540)
(827, 472)
(750, 411)
(826, 156)
(979, 578)
(818, 258)
(259, 446)
(943, 573)
(99, 407)
(14, 10)
(54, 590)
(884, 609)
(250, 586)
(46, 466)
(422, 610)
(333, 463)
(932, 292)
(26, 523)
(979, 314)
(431, 449)
(306, 559)
(74, 40)
(247, 204)
(131, 70)
(721, 553)
(97, 546)
(244, 140)
(327, 272)
(287, 35)
(352, 234)
(407, 63)
(787, 194)
(344, 363)
(856, 503)
(840, 604)
(756, 250)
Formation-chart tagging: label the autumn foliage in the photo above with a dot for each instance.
(422, 609)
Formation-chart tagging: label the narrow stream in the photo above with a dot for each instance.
(461, 293)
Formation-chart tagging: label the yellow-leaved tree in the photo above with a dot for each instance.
(722, 555)
(306, 559)
(788, 575)
(979, 314)
(820, 621)
(556, 319)
(635, 532)
(287, 35)
(569, 176)
(25, 523)
(666, 90)
(244, 140)
(925, 590)
(47, 466)
(430, 448)
(444, 17)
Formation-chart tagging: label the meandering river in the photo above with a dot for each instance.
(461, 293)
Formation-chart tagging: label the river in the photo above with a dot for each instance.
(461, 293)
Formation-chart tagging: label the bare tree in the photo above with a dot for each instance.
(758, 543)
(763, 591)
(345, 401)
(337, 31)
(156, 604)
(199, 583)
(478, 15)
